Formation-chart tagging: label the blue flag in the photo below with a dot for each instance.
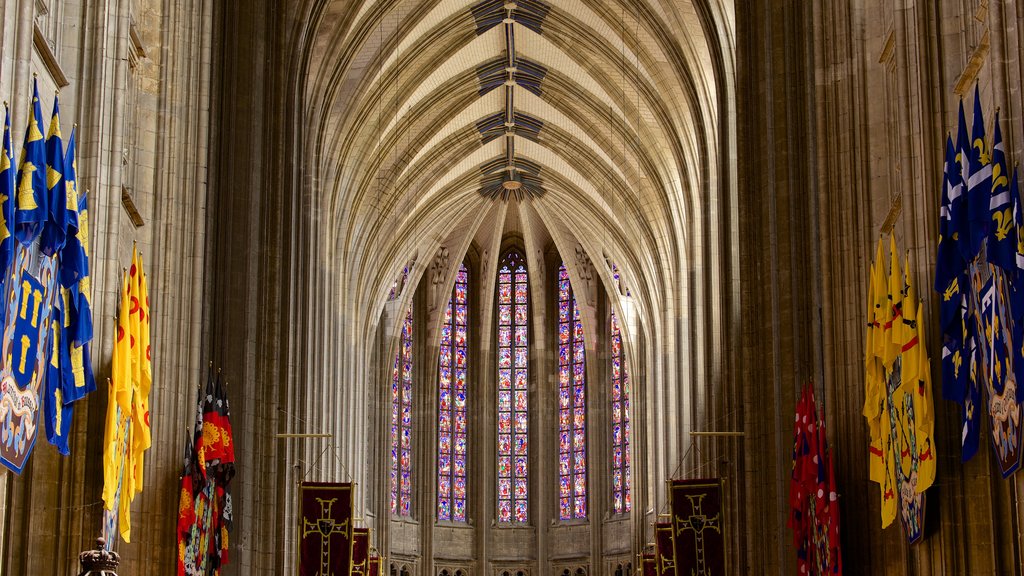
(950, 281)
(74, 264)
(31, 209)
(81, 321)
(978, 180)
(55, 226)
(6, 200)
(57, 411)
(961, 224)
(1005, 213)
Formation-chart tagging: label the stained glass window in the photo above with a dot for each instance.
(513, 392)
(452, 425)
(401, 423)
(572, 405)
(621, 501)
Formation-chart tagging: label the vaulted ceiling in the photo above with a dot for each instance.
(605, 121)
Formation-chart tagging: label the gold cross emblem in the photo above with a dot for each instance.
(326, 527)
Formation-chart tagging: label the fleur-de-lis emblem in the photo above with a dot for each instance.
(1004, 223)
(952, 290)
(983, 155)
(958, 361)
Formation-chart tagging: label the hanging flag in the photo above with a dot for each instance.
(138, 326)
(197, 495)
(664, 550)
(54, 226)
(57, 410)
(952, 220)
(373, 569)
(697, 525)
(6, 203)
(31, 202)
(325, 528)
(360, 551)
(873, 384)
(74, 264)
(962, 230)
(1003, 211)
(1004, 410)
(190, 479)
(117, 489)
(978, 179)
(648, 564)
(924, 411)
(892, 329)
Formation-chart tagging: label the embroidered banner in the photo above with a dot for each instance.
(698, 529)
(325, 528)
(664, 548)
(373, 566)
(649, 564)
(25, 337)
(360, 550)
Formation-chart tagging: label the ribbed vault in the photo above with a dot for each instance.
(616, 115)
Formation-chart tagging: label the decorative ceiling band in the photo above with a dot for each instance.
(529, 13)
(526, 74)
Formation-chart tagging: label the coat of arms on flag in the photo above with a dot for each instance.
(325, 528)
(698, 526)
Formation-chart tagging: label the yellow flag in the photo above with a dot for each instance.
(117, 429)
(910, 347)
(871, 375)
(141, 370)
(882, 310)
(924, 414)
(894, 321)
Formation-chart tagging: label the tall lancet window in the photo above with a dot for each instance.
(513, 405)
(451, 384)
(572, 405)
(401, 423)
(621, 500)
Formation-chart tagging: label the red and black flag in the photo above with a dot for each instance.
(325, 528)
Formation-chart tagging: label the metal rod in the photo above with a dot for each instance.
(731, 434)
(303, 435)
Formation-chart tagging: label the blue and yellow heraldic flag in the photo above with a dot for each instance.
(31, 198)
(1004, 211)
(73, 262)
(962, 229)
(57, 408)
(54, 227)
(28, 315)
(951, 221)
(6, 200)
(978, 179)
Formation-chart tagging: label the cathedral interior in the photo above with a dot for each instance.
(513, 263)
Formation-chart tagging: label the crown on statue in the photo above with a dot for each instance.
(100, 560)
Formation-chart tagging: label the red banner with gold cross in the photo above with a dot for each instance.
(698, 530)
(664, 549)
(360, 550)
(325, 528)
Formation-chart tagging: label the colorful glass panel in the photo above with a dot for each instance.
(572, 405)
(452, 428)
(513, 392)
(401, 423)
(621, 500)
